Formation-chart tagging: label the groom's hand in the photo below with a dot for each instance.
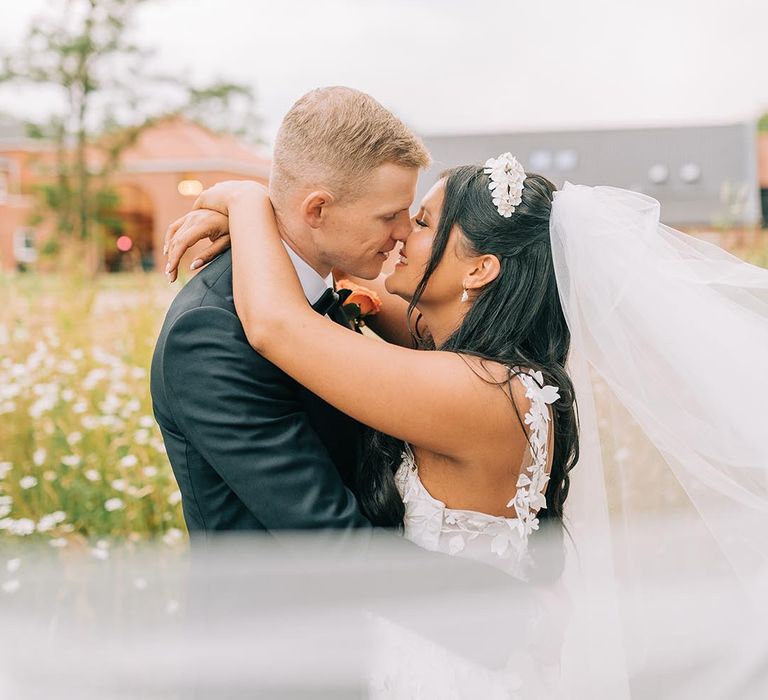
(183, 233)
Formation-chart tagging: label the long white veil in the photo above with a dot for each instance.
(669, 360)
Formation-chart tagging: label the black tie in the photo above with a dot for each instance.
(330, 304)
(330, 301)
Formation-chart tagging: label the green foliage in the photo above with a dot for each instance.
(762, 123)
(108, 97)
(34, 131)
(225, 107)
(51, 248)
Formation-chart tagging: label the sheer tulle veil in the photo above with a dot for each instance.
(669, 360)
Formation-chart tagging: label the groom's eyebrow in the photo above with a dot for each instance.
(397, 211)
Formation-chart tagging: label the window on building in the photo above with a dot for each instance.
(566, 160)
(540, 160)
(658, 174)
(24, 246)
(690, 173)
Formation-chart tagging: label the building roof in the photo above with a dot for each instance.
(172, 145)
(180, 145)
(11, 128)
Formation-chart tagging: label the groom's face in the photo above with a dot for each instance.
(357, 236)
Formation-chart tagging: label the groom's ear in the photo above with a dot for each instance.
(313, 207)
(485, 269)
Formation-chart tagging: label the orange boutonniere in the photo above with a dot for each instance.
(360, 303)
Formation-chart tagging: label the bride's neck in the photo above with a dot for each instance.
(441, 321)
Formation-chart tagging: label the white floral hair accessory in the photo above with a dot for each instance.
(507, 178)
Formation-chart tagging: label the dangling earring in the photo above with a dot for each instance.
(465, 295)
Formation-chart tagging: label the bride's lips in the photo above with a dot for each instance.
(403, 261)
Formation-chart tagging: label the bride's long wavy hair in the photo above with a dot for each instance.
(516, 320)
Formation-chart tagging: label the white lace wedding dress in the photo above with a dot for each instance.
(407, 665)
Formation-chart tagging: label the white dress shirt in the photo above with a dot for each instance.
(313, 284)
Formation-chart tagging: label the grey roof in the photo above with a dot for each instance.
(11, 128)
(723, 156)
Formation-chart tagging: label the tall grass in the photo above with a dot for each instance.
(81, 457)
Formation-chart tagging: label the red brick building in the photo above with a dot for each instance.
(160, 177)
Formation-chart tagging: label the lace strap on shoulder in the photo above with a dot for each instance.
(408, 457)
(532, 482)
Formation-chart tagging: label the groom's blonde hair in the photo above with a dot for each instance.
(334, 137)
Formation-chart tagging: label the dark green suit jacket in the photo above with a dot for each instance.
(251, 449)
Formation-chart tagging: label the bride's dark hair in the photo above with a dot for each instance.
(516, 320)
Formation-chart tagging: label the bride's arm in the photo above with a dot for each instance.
(431, 399)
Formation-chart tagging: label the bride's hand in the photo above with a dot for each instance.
(223, 194)
(183, 233)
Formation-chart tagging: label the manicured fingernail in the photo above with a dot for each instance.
(195, 264)
(167, 268)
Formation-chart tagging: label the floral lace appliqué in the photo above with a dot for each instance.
(533, 481)
(430, 524)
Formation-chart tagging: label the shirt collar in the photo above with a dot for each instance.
(313, 284)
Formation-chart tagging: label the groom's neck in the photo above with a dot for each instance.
(303, 244)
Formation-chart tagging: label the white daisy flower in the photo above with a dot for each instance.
(28, 482)
(129, 461)
(113, 504)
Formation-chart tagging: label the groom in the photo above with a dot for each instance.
(250, 448)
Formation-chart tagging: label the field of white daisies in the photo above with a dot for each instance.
(82, 462)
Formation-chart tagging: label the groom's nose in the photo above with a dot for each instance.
(402, 230)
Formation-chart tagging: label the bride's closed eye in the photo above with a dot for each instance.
(421, 222)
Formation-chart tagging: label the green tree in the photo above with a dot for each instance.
(85, 56)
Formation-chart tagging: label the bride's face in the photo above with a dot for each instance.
(445, 284)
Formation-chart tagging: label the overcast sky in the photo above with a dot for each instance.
(451, 66)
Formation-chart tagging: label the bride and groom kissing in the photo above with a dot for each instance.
(276, 416)
(512, 306)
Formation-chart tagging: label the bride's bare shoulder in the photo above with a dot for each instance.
(505, 380)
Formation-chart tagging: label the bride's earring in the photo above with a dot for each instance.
(465, 295)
